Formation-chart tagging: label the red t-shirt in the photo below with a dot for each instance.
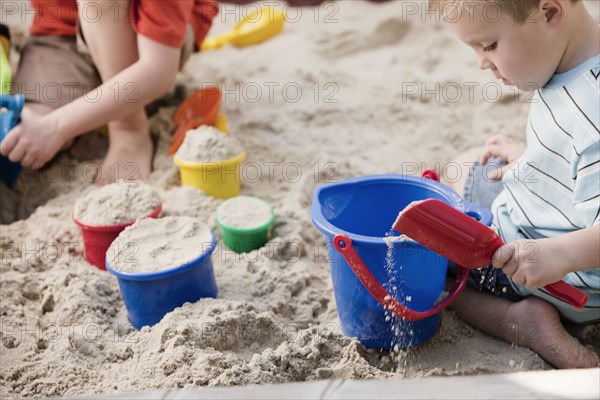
(164, 21)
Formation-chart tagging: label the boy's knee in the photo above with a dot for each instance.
(455, 173)
(537, 309)
(466, 158)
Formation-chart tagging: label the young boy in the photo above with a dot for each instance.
(88, 63)
(547, 210)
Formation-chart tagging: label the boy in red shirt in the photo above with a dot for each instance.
(88, 63)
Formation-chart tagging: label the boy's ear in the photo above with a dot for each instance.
(552, 12)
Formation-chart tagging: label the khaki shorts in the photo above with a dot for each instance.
(53, 71)
(56, 70)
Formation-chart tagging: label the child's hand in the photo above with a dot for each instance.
(533, 263)
(34, 141)
(504, 148)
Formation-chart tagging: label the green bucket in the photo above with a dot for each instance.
(250, 228)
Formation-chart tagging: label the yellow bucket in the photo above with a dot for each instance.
(218, 179)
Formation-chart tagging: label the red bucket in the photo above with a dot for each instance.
(97, 239)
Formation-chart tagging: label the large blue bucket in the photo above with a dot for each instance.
(385, 305)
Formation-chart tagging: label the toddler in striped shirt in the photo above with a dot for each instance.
(545, 196)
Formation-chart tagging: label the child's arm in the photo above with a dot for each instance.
(536, 263)
(38, 138)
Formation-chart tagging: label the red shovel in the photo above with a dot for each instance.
(201, 108)
(463, 240)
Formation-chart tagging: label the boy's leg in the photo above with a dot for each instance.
(588, 334)
(472, 182)
(531, 322)
(112, 43)
(39, 108)
(463, 164)
(53, 73)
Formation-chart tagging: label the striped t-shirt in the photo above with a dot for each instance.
(554, 188)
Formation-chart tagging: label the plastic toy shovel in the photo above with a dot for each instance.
(463, 240)
(201, 108)
(255, 28)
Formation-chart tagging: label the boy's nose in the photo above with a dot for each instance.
(484, 63)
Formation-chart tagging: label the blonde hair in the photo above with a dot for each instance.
(519, 9)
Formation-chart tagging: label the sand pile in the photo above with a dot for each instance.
(350, 100)
(207, 144)
(117, 203)
(245, 212)
(152, 245)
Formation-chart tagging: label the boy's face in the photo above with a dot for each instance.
(522, 55)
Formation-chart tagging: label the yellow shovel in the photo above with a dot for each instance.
(255, 28)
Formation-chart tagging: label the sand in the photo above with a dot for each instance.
(64, 325)
(117, 203)
(245, 212)
(207, 144)
(152, 245)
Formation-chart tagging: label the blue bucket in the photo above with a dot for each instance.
(13, 105)
(149, 296)
(355, 216)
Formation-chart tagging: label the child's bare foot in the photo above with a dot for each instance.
(129, 154)
(536, 324)
(532, 323)
(588, 334)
